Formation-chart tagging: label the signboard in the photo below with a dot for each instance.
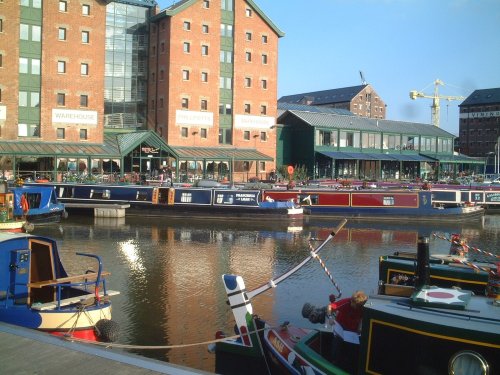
(3, 112)
(69, 116)
(253, 122)
(194, 118)
(290, 170)
(492, 197)
(236, 198)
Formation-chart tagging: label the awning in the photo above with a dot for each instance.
(60, 149)
(456, 159)
(411, 157)
(219, 153)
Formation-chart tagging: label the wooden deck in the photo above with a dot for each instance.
(25, 351)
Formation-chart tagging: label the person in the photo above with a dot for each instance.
(348, 311)
(348, 315)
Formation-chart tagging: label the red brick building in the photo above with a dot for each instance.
(213, 79)
(361, 100)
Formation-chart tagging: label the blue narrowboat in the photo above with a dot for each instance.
(37, 292)
(38, 204)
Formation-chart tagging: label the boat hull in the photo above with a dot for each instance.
(395, 205)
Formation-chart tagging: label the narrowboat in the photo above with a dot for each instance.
(385, 204)
(36, 291)
(434, 331)
(8, 222)
(38, 204)
(205, 202)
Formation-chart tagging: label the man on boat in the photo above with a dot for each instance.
(348, 316)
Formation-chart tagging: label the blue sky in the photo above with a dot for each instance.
(399, 45)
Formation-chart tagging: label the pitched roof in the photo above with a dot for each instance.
(485, 96)
(340, 95)
(184, 4)
(218, 153)
(334, 121)
(283, 107)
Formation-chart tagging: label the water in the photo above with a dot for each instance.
(169, 271)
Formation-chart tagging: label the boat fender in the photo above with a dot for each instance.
(28, 227)
(313, 313)
(65, 214)
(107, 330)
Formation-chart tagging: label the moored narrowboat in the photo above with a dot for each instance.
(38, 204)
(434, 331)
(37, 292)
(385, 204)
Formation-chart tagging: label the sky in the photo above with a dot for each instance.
(399, 45)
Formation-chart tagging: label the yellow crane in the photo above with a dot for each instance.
(414, 94)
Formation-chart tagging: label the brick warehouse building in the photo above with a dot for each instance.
(76, 76)
(479, 127)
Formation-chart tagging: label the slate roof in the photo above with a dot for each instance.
(283, 107)
(485, 96)
(184, 4)
(335, 121)
(340, 95)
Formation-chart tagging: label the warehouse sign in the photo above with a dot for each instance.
(69, 116)
(194, 118)
(254, 122)
(474, 115)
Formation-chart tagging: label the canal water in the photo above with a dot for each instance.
(169, 271)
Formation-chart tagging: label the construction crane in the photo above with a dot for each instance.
(414, 94)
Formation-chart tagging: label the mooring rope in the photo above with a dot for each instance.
(474, 266)
(466, 246)
(323, 265)
(152, 347)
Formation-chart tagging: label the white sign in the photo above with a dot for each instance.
(69, 116)
(194, 118)
(3, 112)
(480, 114)
(254, 122)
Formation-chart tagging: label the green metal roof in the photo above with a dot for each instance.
(456, 158)
(127, 142)
(334, 121)
(219, 153)
(41, 148)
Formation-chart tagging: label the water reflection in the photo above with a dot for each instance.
(169, 271)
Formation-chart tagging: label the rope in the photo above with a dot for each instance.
(154, 347)
(467, 246)
(323, 265)
(475, 266)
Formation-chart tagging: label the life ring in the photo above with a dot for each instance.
(24, 204)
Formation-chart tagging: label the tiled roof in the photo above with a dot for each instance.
(341, 95)
(334, 121)
(485, 96)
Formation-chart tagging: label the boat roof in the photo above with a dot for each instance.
(480, 313)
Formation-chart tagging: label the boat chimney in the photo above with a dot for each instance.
(423, 268)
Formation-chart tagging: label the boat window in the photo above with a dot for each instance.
(388, 201)
(100, 194)
(308, 199)
(186, 198)
(34, 199)
(142, 196)
(468, 362)
(66, 192)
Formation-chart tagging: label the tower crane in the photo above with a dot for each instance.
(435, 108)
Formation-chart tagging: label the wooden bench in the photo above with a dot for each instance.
(69, 279)
(71, 301)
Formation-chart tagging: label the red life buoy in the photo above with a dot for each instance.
(24, 204)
